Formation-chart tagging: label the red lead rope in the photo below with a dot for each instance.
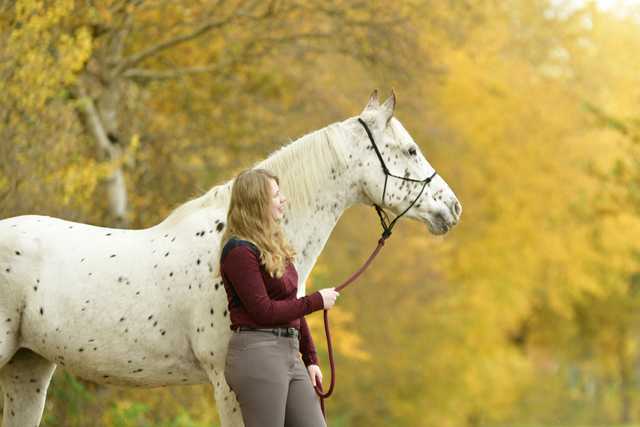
(319, 390)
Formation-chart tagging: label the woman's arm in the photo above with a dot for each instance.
(242, 268)
(309, 354)
(307, 348)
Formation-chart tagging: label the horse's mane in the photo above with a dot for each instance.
(303, 166)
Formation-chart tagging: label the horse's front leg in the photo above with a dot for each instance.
(211, 352)
(228, 406)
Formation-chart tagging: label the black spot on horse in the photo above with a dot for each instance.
(18, 253)
(112, 256)
(220, 226)
(41, 310)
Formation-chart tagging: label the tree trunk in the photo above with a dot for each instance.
(111, 152)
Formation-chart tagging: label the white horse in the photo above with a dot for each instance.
(141, 308)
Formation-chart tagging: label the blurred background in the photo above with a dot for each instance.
(114, 112)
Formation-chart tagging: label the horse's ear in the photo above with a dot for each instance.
(389, 107)
(373, 104)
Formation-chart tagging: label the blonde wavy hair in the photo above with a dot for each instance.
(250, 218)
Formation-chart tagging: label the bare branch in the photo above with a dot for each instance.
(294, 37)
(245, 12)
(128, 21)
(95, 125)
(4, 6)
(131, 60)
(145, 74)
(116, 7)
(153, 5)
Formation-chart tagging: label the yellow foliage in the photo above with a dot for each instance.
(526, 311)
(343, 340)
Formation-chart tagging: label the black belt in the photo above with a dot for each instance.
(283, 332)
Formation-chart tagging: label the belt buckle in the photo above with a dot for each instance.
(291, 332)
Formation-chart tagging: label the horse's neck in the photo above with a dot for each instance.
(309, 233)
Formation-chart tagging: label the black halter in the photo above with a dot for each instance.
(387, 227)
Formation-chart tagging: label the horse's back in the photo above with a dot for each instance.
(36, 247)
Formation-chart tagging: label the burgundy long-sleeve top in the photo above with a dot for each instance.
(257, 300)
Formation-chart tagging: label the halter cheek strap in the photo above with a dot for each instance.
(385, 225)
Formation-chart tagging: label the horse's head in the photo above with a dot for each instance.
(408, 187)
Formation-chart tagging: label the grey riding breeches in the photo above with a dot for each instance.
(271, 382)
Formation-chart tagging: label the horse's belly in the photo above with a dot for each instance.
(106, 357)
(109, 339)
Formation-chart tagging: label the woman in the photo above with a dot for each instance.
(263, 365)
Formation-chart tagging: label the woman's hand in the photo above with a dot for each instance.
(329, 296)
(315, 374)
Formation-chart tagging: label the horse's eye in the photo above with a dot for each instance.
(412, 152)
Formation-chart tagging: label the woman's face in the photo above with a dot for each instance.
(277, 200)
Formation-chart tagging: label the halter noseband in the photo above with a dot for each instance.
(387, 227)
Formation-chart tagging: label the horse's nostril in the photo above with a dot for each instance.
(458, 209)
